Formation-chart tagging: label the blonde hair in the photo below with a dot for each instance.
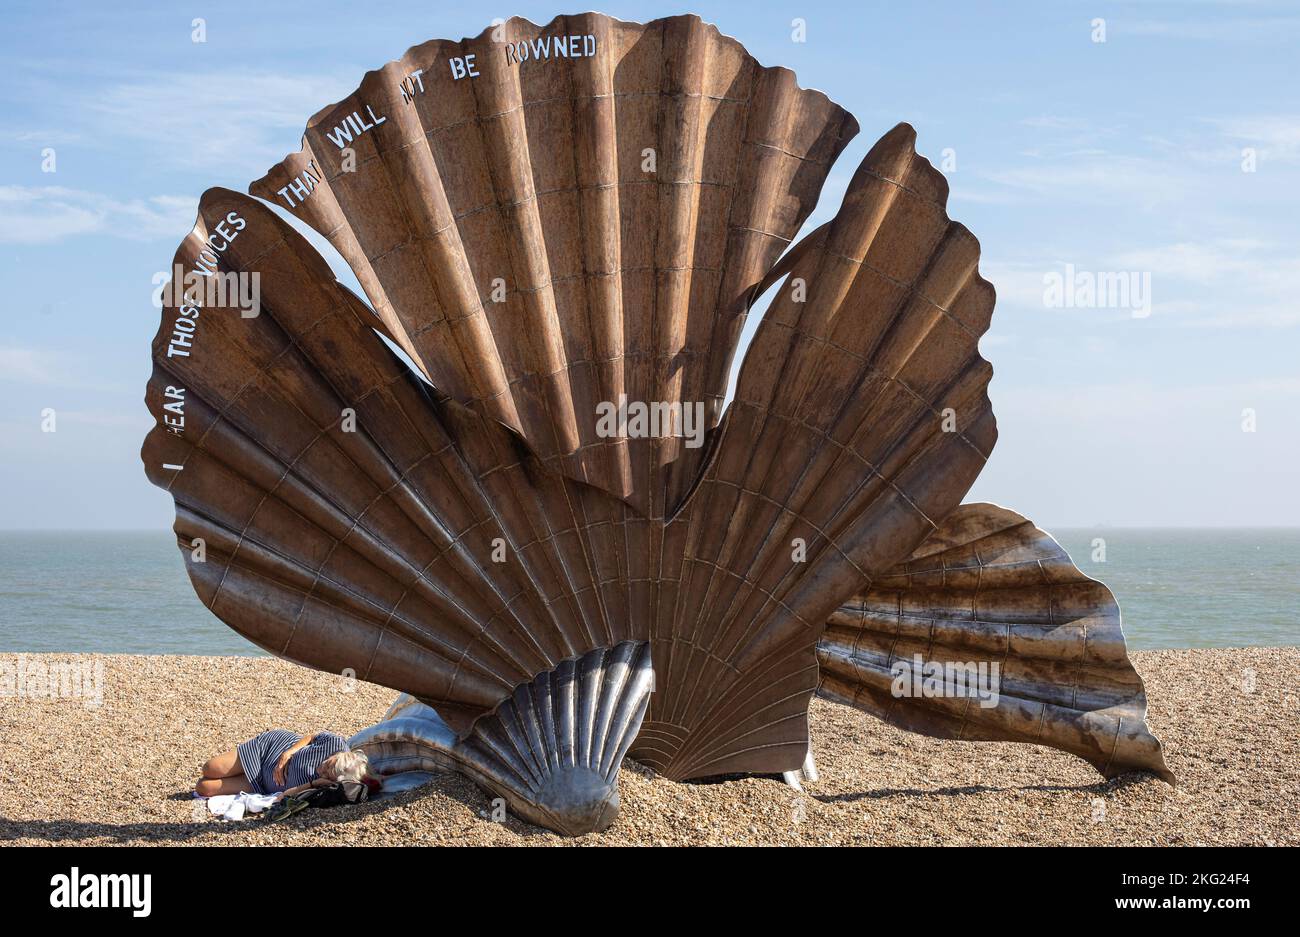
(349, 766)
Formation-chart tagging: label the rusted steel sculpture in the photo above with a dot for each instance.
(563, 229)
(989, 586)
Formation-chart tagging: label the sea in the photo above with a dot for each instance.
(127, 592)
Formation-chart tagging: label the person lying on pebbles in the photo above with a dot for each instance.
(283, 762)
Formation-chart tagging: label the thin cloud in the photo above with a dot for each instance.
(38, 367)
(1254, 29)
(240, 124)
(1019, 285)
(1091, 176)
(1276, 137)
(46, 214)
(1143, 404)
(1221, 283)
(1057, 122)
(26, 365)
(44, 137)
(1225, 283)
(977, 196)
(1248, 316)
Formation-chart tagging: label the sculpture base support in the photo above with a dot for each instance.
(552, 750)
(807, 772)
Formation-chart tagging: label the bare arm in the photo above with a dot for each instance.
(283, 764)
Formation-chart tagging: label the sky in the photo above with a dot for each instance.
(1170, 152)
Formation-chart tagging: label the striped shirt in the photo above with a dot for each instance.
(259, 756)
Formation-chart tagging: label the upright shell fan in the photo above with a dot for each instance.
(558, 222)
(579, 217)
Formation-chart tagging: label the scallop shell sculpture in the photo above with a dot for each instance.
(556, 224)
(552, 749)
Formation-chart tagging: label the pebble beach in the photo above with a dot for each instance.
(112, 761)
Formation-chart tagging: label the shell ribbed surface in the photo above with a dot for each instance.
(566, 230)
(991, 587)
(459, 528)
